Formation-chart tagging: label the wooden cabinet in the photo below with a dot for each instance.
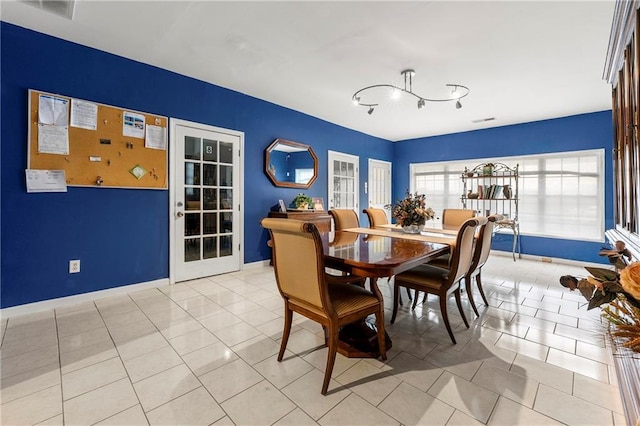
(321, 219)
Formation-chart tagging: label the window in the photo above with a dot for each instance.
(560, 195)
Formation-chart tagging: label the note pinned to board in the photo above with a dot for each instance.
(46, 181)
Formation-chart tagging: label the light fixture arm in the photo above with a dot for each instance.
(459, 91)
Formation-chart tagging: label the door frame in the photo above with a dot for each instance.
(356, 160)
(390, 192)
(173, 123)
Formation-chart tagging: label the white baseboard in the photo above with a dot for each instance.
(546, 259)
(44, 305)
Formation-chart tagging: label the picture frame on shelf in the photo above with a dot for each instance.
(318, 204)
(283, 206)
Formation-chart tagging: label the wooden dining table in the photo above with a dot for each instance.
(376, 253)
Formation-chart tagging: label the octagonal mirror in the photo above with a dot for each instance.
(291, 164)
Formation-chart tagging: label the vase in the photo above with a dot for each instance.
(413, 228)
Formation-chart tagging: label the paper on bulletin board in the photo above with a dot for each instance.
(53, 139)
(53, 110)
(156, 137)
(133, 125)
(46, 181)
(84, 115)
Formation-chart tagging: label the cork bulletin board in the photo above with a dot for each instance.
(97, 145)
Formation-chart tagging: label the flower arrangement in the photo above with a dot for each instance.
(411, 210)
(621, 291)
(302, 201)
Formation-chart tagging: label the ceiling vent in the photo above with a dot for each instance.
(60, 8)
(482, 120)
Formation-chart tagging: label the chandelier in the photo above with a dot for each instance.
(458, 91)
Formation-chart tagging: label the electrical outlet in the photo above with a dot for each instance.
(546, 259)
(74, 266)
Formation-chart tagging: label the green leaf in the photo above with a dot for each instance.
(602, 274)
(612, 287)
(600, 299)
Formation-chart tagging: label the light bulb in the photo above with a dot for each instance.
(395, 94)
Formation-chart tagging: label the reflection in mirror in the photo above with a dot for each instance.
(291, 164)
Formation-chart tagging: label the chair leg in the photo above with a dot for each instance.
(479, 284)
(288, 316)
(467, 282)
(382, 347)
(396, 300)
(331, 357)
(424, 298)
(445, 316)
(408, 293)
(415, 299)
(459, 303)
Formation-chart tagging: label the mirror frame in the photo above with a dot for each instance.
(302, 147)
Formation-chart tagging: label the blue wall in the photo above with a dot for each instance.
(579, 132)
(121, 236)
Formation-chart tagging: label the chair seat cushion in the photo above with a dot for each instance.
(427, 276)
(348, 298)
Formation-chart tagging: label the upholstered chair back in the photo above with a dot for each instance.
(454, 218)
(463, 251)
(376, 217)
(344, 219)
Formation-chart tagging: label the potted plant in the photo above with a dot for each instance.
(302, 201)
(411, 212)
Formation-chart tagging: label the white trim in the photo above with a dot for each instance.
(60, 302)
(550, 260)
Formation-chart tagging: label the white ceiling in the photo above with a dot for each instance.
(523, 61)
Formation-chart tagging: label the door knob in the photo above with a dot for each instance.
(179, 214)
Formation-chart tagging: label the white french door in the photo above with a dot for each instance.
(379, 185)
(343, 181)
(206, 197)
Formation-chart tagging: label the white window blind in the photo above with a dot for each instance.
(560, 195)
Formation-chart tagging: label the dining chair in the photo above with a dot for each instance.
(441, 281)
(332, 301)
(344, 219)
(454, 218)
(480, 256)
(376, 217)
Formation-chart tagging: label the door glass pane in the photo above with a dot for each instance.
(226, 222)
(191, 148)
(191, 249)
(192, 198)
(225, 245)
(226, 199)
(210, 222)
(209, 249)
(192, 224)
(226, 175)
(350, 170)
(210, 199)
(210, 150)
(209, 174)
(191, 173)
(226, 152)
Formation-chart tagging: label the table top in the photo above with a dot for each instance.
(369, 255)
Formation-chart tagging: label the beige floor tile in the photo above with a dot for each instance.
(209, 358)
(83, 340)
(151, 363)
(259, 316)
(29, 330)
(29, 382)
(194, 408)
(296, 418)
(18, 347)
(237, 333)
(180, 328)
(89, 378)
(354, 410)
(509, 413)
(141, 345)
(410, 406)
(242, 307)
(53, 421)
(165, 386)
(544, 305)
(507, 384)
(551, 340)
(257, 349)
(535, 323)
(467, 397)
(460, 419)
(414, 344)
(542, 372)
(87, 356)
(22, 363)
(598, 393)
(594, 369)
(369, 382)
(569, 409)
(193, 341)
(520, 309)
(133, 416)
(318, 359)
(514, 329)
(220, 321)
(594, 352)
(305, 393)
(280, 374)
(200, 307)
(125, 318)
(459, 363)
(78, 322)
(303, 342)
(591, 337)
(136, 330)
(523, 346)
(100, 404)
(230, 379)
(414, 371)
(260, 404)
(33, 408)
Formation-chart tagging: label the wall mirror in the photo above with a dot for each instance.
(291, 164)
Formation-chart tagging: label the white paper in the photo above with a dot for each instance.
(84, 114)
(156, 137)
(53, 139)
(46, 181)
(53, 110)
(133, 125)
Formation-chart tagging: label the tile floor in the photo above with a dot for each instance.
(204, 352)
